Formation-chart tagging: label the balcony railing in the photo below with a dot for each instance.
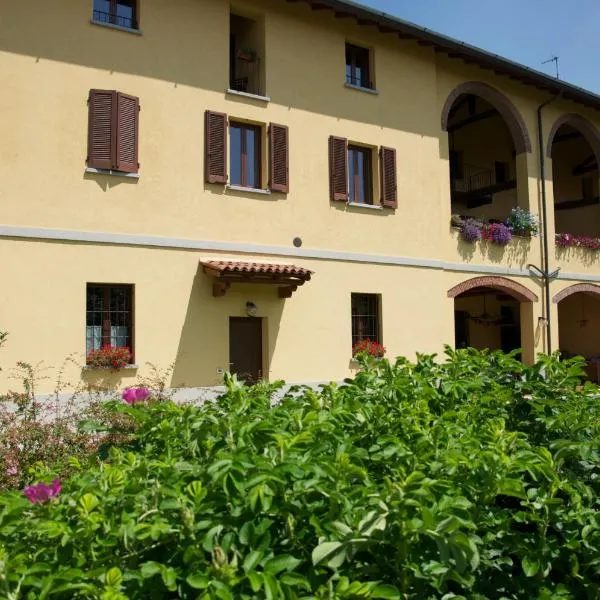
(114, 19)
(245, 75)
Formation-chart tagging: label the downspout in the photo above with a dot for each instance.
(545, 257)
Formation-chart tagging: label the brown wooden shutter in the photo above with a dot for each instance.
(215, 147)
(338, 168)
(387, 171)
(102, 107)
(128, 116)
(279, 179)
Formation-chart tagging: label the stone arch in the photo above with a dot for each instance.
(585, 127)
(516, 290)
(588, 288)
(508, 111)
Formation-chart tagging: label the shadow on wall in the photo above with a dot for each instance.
(204, 341)
(198, 30)
(585, 256)
(108, 380)
(516, 253)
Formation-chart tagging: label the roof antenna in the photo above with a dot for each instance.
(554, 59)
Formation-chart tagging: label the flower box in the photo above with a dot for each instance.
(368, 347)
(109, 357)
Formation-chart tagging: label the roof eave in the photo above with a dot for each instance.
(457, 50)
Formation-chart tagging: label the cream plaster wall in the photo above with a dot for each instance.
(51, 56)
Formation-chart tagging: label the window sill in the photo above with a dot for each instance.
(126, 368)
(361, 89)
(111, 172)
(251, 190)
(117, 27)
(361, 205)
(248, 95)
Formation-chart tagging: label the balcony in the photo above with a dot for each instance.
(474, 186)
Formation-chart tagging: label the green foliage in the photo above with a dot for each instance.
(477, 478)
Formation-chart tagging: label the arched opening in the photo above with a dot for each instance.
(485, 135)
(493, 313)
(574, 146)
(579, 325)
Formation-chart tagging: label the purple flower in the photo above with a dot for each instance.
(41, 492)
(498, 233)
(471, 231)
(133, 395)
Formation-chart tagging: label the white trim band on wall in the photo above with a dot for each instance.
(128, 239)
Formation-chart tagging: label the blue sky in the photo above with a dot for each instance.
(526, 31)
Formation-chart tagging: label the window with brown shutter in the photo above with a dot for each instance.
(215, 147)
(278, 158)
(360, 186)
(113, 131)
(387, 168)
(338, 169)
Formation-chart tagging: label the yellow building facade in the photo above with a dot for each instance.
(125, 256)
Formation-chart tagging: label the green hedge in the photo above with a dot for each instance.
(476, 478)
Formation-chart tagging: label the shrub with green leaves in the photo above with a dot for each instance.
(476, 478)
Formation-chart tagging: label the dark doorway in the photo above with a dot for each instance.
(245, 348)
(461, 329)
(510, 329)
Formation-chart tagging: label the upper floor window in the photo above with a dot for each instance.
(351, 173)
(246, 151)
(244, 155)
(358, 66)
(360, 188)
(113, 127)
(245, 50)
(123, 13)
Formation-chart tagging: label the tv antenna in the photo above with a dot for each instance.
(554, 59)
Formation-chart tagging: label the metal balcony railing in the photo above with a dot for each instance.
(114, 19)
(472, 178)
(245, 75)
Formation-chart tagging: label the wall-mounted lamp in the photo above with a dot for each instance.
(251, 309)
(542, 322)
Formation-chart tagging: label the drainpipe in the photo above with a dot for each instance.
(545, 258)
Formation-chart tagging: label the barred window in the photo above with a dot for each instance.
(366, 318)
(109, 316)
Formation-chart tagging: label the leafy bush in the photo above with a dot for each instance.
(40, 436)
(476, 478)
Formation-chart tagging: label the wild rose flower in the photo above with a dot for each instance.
(41, 492)
(133, 395)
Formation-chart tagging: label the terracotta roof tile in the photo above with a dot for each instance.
(234, 266)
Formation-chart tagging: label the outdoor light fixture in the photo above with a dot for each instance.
(251, 309)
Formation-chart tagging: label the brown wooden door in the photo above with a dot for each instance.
(245, 348)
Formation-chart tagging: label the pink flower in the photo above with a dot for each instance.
(36, 494)
(133, 395)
